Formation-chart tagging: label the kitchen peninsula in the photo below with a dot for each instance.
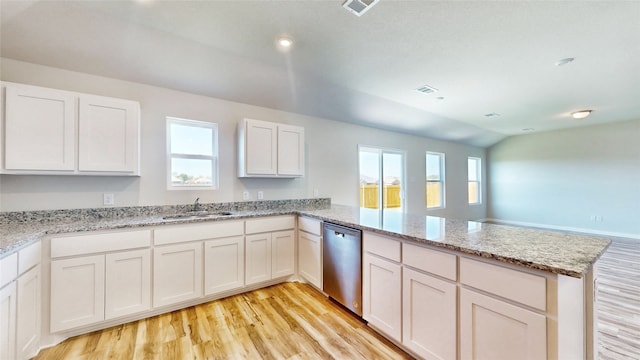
(527, 290)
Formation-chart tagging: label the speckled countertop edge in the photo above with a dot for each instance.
(20, 229)
(554, 252)
(549, 251)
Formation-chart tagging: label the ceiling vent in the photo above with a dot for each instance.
(426, 89)
(359, 7)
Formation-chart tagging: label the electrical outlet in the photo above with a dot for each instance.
(260, 195)
(316, 192)
(108, 199)
(592, 218)
(245, 195)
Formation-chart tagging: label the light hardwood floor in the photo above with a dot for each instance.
(286, 321)
(618, 301)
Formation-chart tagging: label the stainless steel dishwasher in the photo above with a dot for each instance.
(342, 265)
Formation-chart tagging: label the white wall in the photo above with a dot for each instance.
(563, 178)
(331, 154)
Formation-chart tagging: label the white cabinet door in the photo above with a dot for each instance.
(108, 134)
(258, 255)
(128, 283)
(290, 150)
(261, 148)
(77, 292)
(429, 315)
(283, 256)
(493, 329)
(29, 312)
(8, 321)
(267, 149)
(223, 264)
(39, 129)
(382, 293)
(177, 273)
(310, 258)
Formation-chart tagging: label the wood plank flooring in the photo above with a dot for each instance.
(286, 321)
(618, 301)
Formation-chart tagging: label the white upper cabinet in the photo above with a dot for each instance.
(267, 149)
(108, 134)
(39, 129)
(290, 150)
(48, 131)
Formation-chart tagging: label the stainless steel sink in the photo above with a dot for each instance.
(197, 215)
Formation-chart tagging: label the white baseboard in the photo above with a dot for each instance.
(564, 228)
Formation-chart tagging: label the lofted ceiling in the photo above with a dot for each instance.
(483, 57)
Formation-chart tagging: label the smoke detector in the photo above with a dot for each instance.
(359, 7)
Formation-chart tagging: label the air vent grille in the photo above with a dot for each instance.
(359, 7)
(426, 89)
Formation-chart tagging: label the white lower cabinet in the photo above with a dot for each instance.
(310, 250)
(429, 318)
(310, 258)
(496, 330)
(382, 295)
(258, 258)
(8, 321)
(29, 313)
(128, 283)
(223, 264)
(269, 256)
(270, 249)
(90, 289)
(77, 292)
(282, 254)
(177, 273)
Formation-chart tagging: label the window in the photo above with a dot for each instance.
(192, 154)
(475, 189)
(435, 180)
(381, 179)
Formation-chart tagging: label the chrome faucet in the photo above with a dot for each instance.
(196, 205)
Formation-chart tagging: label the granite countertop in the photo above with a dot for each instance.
(555, 252)
(14, 236)
(550, 251)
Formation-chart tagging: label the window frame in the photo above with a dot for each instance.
(170, 120)
(441, 180)
(478, 177)
(381, 151)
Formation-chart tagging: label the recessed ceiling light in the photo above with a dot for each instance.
(440, 98)
(490, 115)
(564, 61)
(284, 43)
(581, 114)
(528, 129)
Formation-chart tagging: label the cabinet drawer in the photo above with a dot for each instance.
(270, 224)
(382, 246)
(185, 233)
(511, 284)
(310, 225)
(94, 243)
(8, 269)
(29, 257)
(432, 261)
